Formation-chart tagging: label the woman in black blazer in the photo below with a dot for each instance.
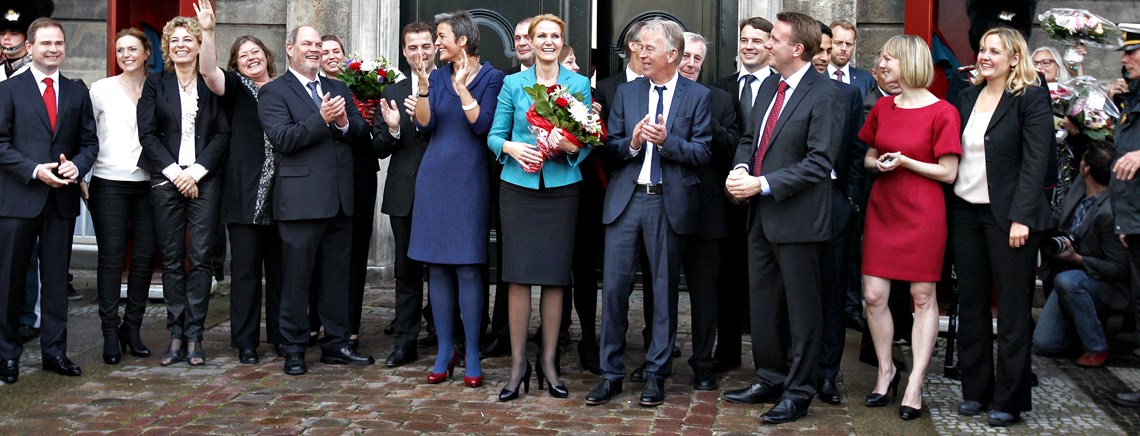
(998, 209)
(184, 134)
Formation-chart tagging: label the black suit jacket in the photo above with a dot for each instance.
(849, 167)
(711, 205)
(606, 90)
(1019, 141)
(160, 125)
(406, 153)
(27, 140)
(1105, 257)
(314, 159)
(686, 148)
(803, 149)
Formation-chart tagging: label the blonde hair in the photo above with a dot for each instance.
(1023, 74)
(190, 24)
(546, 17)
(917, 68)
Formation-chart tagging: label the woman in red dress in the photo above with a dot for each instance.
(913, 143)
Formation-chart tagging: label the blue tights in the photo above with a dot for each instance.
(447, 281)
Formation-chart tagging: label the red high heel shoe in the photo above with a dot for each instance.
(434, 378)
(473, 382)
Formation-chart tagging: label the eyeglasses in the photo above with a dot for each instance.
(1044, 63)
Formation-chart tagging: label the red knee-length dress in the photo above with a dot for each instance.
(904, 237)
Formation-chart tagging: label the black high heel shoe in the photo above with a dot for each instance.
(111, 354)
(908, 413)
(130, 339)
(511, 394)
(556, 391)
(879, 400)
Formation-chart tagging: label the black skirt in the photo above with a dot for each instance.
(538, 233)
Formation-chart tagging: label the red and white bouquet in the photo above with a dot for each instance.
(556, 107)
(366, 79)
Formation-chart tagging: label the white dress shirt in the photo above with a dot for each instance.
(39, 77)
(846, 73)
(670, 87)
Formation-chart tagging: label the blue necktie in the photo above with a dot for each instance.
(313, 92)
(655, 162)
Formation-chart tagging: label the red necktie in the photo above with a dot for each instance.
(769, 126)
(49, 101)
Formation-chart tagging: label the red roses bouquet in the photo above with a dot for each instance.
(367, 78)
(556, 107)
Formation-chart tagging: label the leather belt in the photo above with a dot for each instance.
(649, 189)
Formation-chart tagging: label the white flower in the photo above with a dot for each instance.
(368, 65)
(578, 110)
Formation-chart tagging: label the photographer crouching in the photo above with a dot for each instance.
(1090, 262)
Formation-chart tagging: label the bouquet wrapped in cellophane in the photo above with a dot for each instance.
(556, 107)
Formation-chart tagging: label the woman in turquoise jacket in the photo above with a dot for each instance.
(538, 209)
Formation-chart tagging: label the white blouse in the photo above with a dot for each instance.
(972, 184)
(117, 128)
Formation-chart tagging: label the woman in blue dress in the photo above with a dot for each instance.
(538, 209)
(450, 216)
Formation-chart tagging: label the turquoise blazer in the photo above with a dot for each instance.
(510, 125)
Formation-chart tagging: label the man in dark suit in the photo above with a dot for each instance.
(784, 167)
(702, 261)
(731, 319)
(844, 38)
(394, 135)
(312, 125)
(651, 202)
(498, 340)
(45, 146)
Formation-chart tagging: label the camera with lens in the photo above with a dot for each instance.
(1056, 244)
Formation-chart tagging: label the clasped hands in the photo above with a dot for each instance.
(646, 130)
(740, 185)
(528, 154)
(333, 110)
(66, 170)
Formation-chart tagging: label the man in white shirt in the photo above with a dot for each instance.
(843, 43)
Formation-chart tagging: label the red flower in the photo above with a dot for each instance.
(355, 66)
(553, 89)
(382, 73)
(561, 102)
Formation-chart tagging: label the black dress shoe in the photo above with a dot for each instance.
(603, 392)
(855, 322)
(970, 408)
(828, 392)
(248, 356)
(295, 364)
(354, 343)
(638, 374)
(998, 418)
(390, 329)
(908, 413)
(757, 393)
(314, 339)
(653, 394)
(785, 410)
(721, 366)
(676, 351)
(703, 379)
(401, 356)
(588, 356)
(27, 333)
(1127, 399)
(9, 371)
(61, 365)
(280, 352)
(496, 347)
(346, 356)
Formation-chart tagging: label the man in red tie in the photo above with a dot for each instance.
(45, 146)
(783, 167)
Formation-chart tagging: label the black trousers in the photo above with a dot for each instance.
(784, 283)
(984, 260)
(497, 319)
(123, 216)
(833, 269)
(255, 252)
(308, 248)
(364, 212)
(732, 315)
(588, 249)
(17, 236)
(409, 284)
(702, 273)
(186, 231)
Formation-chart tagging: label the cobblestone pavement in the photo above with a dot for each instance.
(224, 397)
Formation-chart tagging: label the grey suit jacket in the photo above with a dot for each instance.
(803, 149)
(686, 148)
